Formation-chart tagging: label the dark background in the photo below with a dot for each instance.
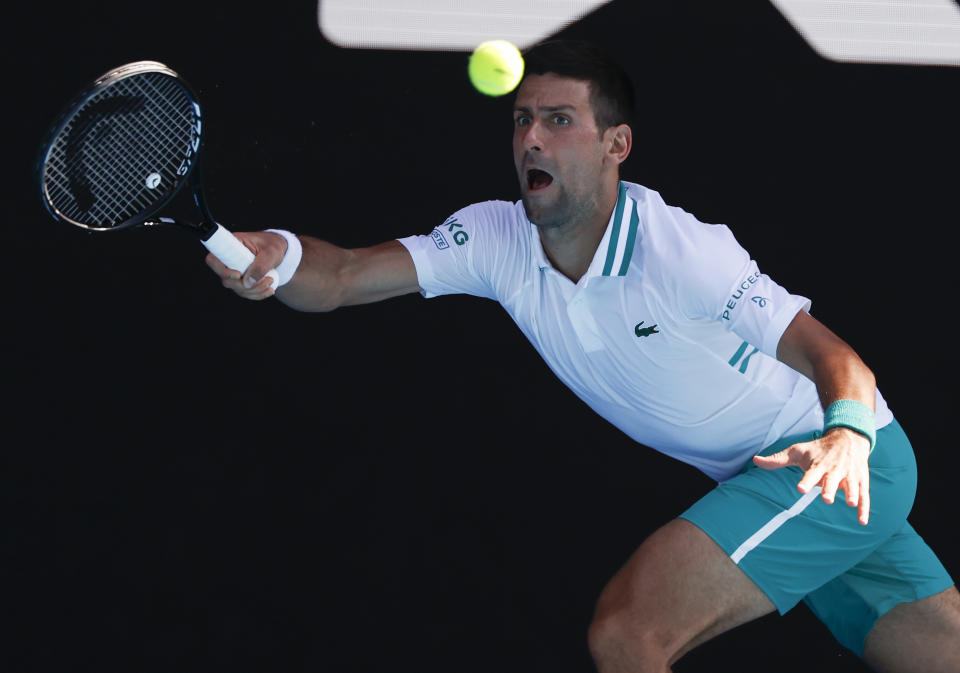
(196, 482)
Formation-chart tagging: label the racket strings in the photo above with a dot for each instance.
(66, 167)
(128, 156)
(87, 162)
(83, 155)
(142, 159)
(121, 153)
(148, 150)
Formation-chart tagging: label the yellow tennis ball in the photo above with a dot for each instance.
(496, 67)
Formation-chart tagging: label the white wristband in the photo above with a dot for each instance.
(291, 260)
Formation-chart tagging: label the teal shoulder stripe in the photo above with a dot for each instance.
(739, 354)
(615, 232)
(631, 239)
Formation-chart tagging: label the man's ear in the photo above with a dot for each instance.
(620, 139)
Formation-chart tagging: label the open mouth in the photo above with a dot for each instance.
(538, 179)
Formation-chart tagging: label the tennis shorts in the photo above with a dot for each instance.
(796, 547)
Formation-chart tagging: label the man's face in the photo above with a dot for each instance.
(557, 150)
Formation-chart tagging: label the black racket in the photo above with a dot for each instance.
(121, 151)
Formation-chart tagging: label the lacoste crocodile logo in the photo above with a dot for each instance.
(645, 331)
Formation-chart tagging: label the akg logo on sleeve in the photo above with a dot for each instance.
(459, 235)
(453, 227)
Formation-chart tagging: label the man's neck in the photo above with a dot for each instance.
(571, 248)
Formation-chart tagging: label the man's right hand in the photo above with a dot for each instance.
(327, 277)
(269, 249)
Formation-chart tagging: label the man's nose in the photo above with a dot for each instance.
(531, 138)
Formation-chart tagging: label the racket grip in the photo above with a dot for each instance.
(235, 255)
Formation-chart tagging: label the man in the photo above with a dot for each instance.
(667, 328)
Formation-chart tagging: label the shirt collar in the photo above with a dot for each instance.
(613, 254)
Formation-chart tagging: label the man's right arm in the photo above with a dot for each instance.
(328, 276)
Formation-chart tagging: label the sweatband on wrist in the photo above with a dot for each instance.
(854, 415)
(291, 260)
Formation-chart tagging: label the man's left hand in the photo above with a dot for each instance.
(835, 461)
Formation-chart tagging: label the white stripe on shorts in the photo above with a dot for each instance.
(773, 524)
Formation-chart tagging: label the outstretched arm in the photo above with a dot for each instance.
(328, 276)
(838, 459)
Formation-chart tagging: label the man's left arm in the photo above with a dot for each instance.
(838, 459)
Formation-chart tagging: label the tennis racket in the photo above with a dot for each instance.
(121, 151)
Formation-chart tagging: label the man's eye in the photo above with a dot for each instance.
(522, 121)
(560, 120)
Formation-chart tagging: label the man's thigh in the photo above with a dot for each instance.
(676, 591)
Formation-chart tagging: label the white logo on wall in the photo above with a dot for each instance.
(455, 26)
(921, 32)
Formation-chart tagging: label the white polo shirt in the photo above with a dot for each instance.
(671, 334)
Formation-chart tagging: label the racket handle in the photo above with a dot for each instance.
(235, 255)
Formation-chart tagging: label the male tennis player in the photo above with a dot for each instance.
(668, 329)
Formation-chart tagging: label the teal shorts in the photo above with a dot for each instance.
(796, 547)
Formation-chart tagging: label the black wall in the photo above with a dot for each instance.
(195, 482)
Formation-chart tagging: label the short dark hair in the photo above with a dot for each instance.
(611, 90)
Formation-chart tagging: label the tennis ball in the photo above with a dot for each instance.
(496, 67)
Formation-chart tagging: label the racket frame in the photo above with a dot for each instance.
(205, 228)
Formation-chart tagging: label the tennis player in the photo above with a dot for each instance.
(669, 329)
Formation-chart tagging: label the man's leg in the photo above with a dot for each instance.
(921, 636)
(678, 590)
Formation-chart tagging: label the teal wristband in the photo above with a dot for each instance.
(854, 415)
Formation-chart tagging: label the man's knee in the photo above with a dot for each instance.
(627, 626)
(622, 636)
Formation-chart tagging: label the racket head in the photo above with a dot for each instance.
(121, 149)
